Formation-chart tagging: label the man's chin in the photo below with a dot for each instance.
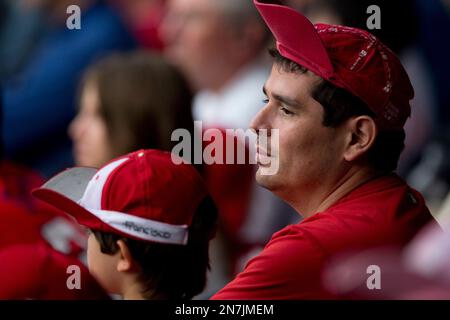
(265, 180)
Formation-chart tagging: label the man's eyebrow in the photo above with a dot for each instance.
(283, 99)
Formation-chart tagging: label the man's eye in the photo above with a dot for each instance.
(286, 111)
(265, 101)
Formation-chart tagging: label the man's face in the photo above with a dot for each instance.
(198, 39)
(308, 152)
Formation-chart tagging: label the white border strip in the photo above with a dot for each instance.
(141, 228)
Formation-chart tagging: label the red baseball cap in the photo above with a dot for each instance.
(349, 58)
(143, 195)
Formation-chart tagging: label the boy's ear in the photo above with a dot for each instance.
(125, 262)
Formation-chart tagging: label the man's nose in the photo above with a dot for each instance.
(261, 120)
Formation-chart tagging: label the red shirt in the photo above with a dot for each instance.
(384, 211)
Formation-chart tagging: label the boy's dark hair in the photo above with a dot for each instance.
(340, 105)
(171, 271)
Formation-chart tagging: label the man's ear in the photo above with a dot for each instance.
(125, 262)
(362, 132)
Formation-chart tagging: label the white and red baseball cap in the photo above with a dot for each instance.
(143, 195)
(349, 58)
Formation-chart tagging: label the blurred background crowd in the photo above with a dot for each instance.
(139, 69)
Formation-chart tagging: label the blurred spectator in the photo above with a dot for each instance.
(17, 207)
(21, 28)
(221, 47)
(431, 174)
(300, 5)
(128, 102)
(3, 12)
(39, 102)
(443, 215)
(143, 18)
(434, 23)
(37, 243)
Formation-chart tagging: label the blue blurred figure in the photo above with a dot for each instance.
(39, 102)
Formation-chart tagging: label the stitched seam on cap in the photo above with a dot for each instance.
(108, 183)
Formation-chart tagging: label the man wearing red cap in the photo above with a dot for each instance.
(339, 99)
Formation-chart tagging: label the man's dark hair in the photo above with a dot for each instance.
(340, 105)
(169, 271)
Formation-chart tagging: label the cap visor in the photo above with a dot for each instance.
(297, 38)
(64, 190)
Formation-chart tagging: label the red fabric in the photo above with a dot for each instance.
(147, 30)
(230, 186)
(384, 211)
(22, 225)
(23, 219)
(350, 58)
(39, 272)
(143, 19)
(16, 182)
(31, 232)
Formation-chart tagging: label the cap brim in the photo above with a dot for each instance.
(297, 38)
(65, 190)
